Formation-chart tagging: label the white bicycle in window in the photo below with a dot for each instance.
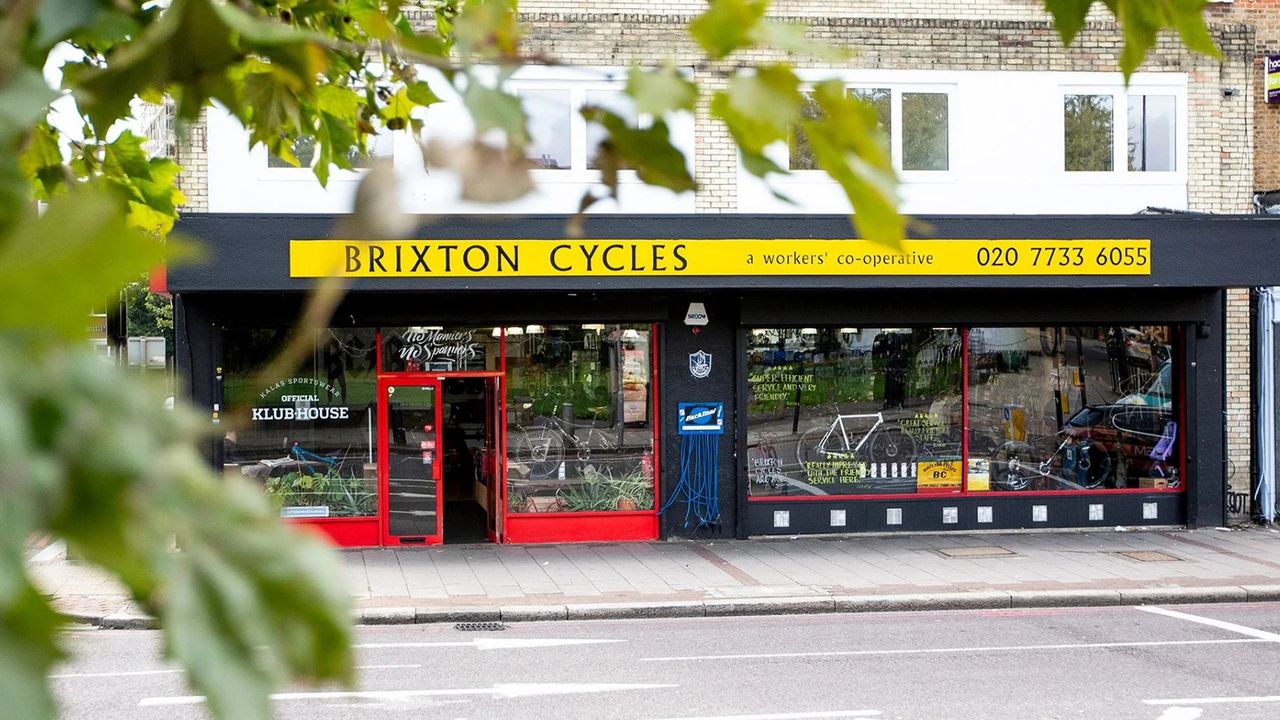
(878, 443)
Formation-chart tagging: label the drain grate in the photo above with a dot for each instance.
(1150, 556)
(981, 551)
(479, 626)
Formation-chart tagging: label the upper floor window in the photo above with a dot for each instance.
(559, 138)
(922, 141)
(1089, 122)
(304, 149)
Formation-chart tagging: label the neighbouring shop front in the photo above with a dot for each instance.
(721, 376)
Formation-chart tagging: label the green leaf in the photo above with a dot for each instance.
(197, 45)
(57, 19)
(728, 25)
(1069, 16)
(758, 110)
(421, 93)
(848, 145)
(24, 101)
(660, 91)
(1141, 21)
(78, 232)
(790, 36)
(493, 109)
(648, 151)
(488, 28)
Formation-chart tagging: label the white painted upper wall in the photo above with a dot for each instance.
(1006, 155)
(1007, 149)
(240, 180)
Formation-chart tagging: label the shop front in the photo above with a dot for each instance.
(709, 377)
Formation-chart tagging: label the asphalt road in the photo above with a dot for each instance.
(1155, 663)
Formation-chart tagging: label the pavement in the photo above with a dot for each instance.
(511, 583)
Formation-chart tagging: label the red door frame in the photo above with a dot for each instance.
(384, 468)
(499, 472)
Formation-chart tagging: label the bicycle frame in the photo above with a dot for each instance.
(838, 424)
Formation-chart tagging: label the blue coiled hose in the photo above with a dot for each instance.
(699, 480)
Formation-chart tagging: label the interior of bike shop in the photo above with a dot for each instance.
(640, 400)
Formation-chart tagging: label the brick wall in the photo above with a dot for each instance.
(1219, 169)
(1239, 408)
(193, 156)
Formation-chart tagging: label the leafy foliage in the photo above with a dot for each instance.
(1142, 21)
(88, 452)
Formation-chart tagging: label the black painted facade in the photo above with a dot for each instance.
(245, 282)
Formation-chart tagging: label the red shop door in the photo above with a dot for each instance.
(410, 467)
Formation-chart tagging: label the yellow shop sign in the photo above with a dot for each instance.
(693, 258)
(938, 476)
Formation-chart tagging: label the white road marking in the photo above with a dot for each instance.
(52, 551)
(789, 715)
(509, 690)
(130, 673)
(929, 651)
(1220, 624)
(1178, 712)
(1215, 700)
(491, 643)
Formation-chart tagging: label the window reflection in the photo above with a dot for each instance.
(579, 418)
(310, 438)
(1088, 132)
(550, 140)
(1071, 408)
(843, 411)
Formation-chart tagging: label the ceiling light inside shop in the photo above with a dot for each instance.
(515, 330)
(848, 331)
(596, 327)
(496, 332)
(534, 329)
(630, 335)
(808, 331)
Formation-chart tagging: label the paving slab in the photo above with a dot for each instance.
(486, 583)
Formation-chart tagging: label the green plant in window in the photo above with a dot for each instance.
(345, 496)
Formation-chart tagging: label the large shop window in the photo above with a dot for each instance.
(580, 418)
(841, 411)
(1072, 408)
(310, 439)
(853, 411)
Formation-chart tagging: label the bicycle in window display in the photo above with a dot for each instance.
(879, 443)
(541, 448)
(1094, 449)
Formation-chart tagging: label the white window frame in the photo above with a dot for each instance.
(902, 82)
(577, 87)
(1168, 84)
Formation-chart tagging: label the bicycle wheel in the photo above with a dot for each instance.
(1099, 467)
(540, 450)
(1049, 340)
(809, 447)
(891, 446)
(1013, 466)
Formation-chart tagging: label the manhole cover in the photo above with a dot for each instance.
(981, 551)
(1150, 556)
(479, 626)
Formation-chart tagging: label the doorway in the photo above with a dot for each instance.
(469, 448)
(441, 458)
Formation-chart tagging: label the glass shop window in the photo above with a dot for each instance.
(309, 439)
(435, 348)
(853, 411)
(580, 418)
(1072, 408)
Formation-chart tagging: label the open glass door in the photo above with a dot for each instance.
(494, 456)
(410, 469)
